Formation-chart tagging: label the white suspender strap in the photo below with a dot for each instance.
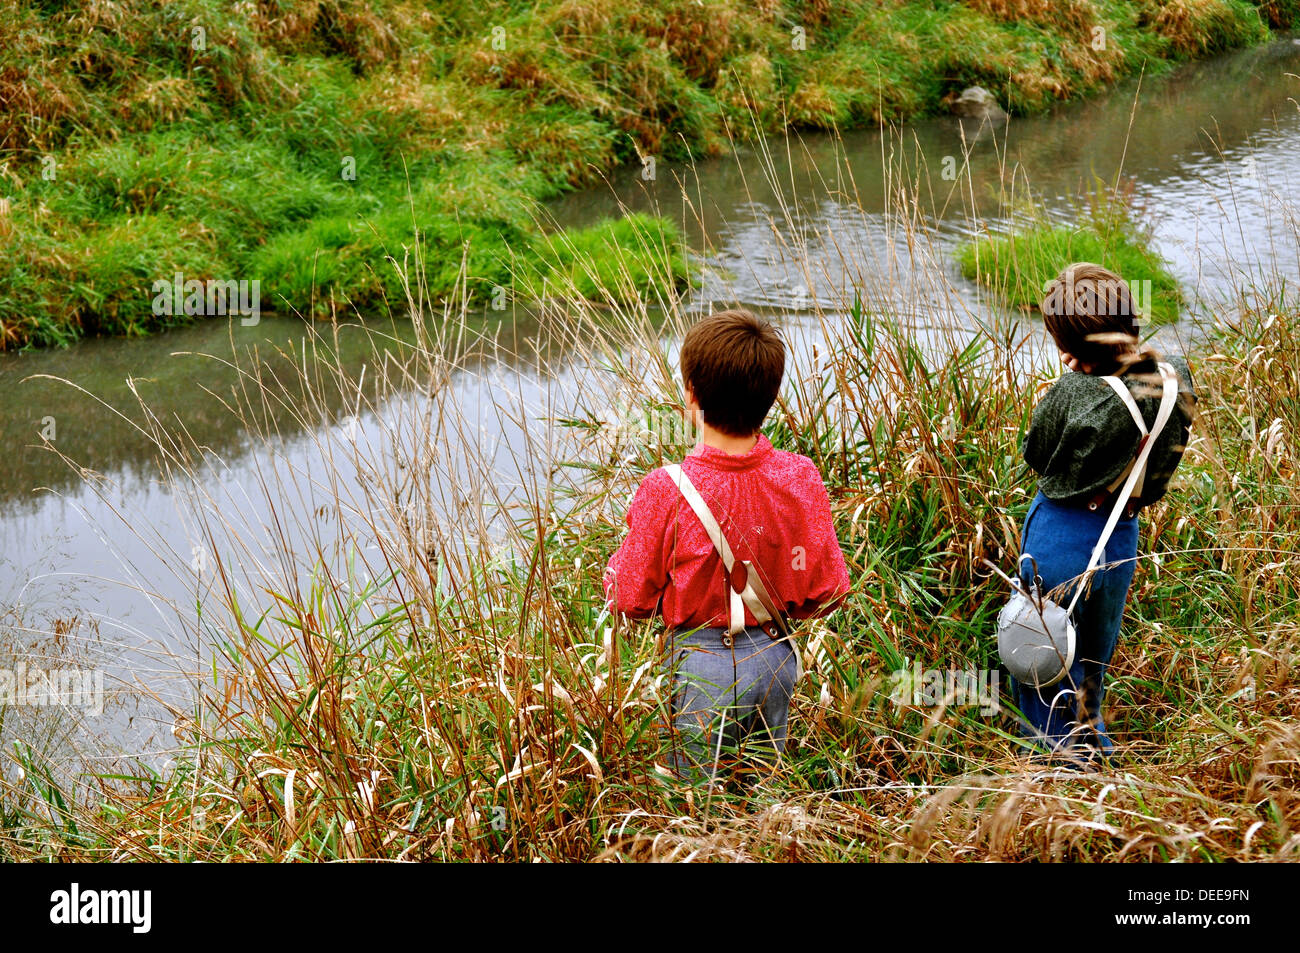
(1117, 385)
(1167, 401)
(754, 596)
(692, 497)
(1127, 398)
(710, 523)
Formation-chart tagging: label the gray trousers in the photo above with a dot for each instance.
(729, 702)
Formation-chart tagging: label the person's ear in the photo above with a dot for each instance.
(693, 414)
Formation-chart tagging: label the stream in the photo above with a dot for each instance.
(87, 558)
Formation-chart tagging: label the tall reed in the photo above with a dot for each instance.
(409, 656)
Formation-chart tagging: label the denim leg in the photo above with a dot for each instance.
(1061, 539)
(725, 697)
(704, 694)
(1099, 620)
(1049, 713)
(767, 670)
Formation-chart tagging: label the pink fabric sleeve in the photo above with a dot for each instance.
(827, 575)
(637, 574)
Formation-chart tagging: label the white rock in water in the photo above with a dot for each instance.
(976, 102)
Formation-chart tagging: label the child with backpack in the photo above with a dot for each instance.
(1083, 443)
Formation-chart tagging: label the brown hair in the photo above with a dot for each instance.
(733, 362)
(1089, 312)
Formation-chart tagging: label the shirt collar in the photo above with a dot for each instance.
(733, 461)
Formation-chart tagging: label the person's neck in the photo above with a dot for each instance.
(1121, 363)
(736, 446)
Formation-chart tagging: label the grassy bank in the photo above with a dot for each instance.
(301, 143)
(434, 676)
(1018, 265)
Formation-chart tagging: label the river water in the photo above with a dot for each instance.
(89, 557)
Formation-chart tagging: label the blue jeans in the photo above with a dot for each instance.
(729, 701)
(1060, 539)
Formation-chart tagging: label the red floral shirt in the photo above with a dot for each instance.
(773, 509)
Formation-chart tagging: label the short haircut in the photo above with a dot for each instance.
(733, 362)
(1089, 312)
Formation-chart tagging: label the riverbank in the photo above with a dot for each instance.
(300, 147)
(438, 700)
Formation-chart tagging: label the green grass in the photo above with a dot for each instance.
(357, 721)
(238, 146)
(1017, 265)
(344, 724)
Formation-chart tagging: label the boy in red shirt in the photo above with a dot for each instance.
(772, 508)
